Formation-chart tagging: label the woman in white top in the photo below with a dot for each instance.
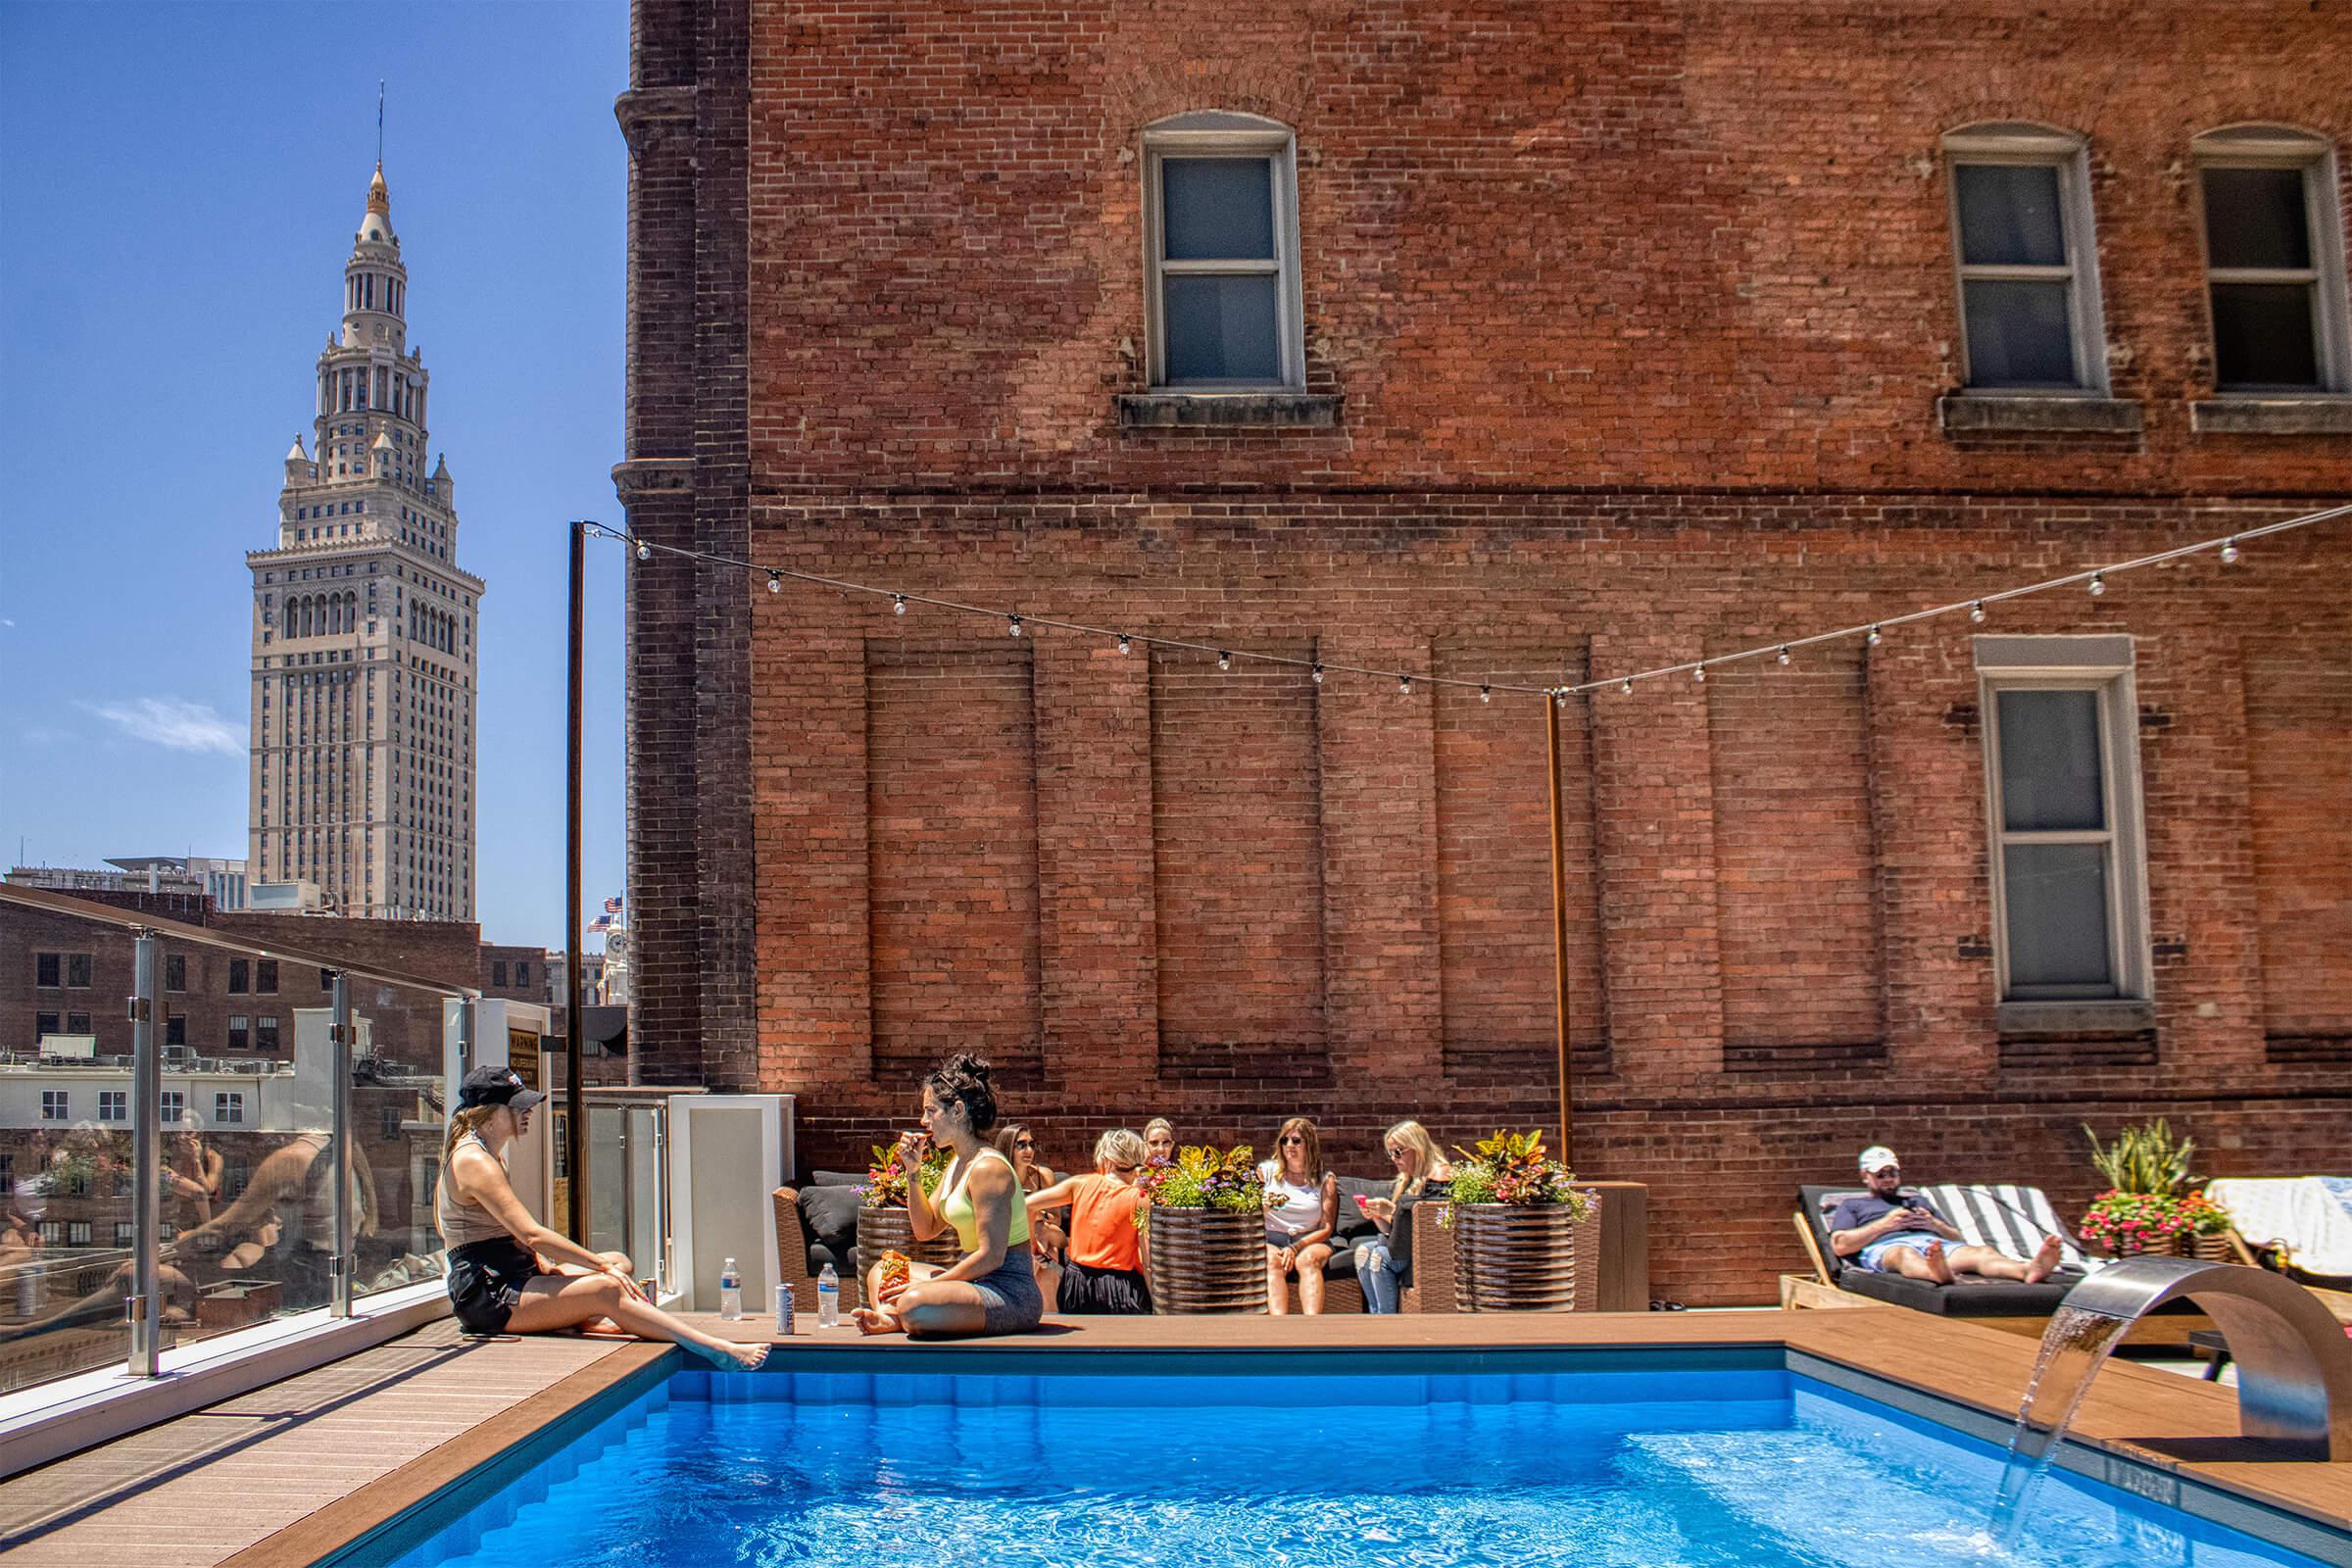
(1302, 1211)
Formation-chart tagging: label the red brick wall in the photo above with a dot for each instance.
(1638, 315)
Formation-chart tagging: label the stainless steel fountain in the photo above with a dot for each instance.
(2294, 1364)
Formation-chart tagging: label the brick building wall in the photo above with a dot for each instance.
(1637, 317)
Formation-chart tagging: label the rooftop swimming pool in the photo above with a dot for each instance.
(1666, 1459)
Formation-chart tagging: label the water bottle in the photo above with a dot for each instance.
(828, 1298)
(730, 1294)
(784, 1329)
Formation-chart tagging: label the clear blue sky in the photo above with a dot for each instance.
(178, 187)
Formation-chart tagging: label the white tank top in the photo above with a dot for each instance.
(1298, 1210)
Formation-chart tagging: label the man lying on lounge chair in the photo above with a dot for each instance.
(1895, 1233)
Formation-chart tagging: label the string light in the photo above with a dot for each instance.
(2230, 548)
(1404, 685)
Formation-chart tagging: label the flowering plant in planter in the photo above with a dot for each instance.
(2127, 1223)
(1512, 1168)
(886, 1183)
(2203, 1216)
(1203, 1178)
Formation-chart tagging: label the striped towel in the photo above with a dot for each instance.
(2008, 1219)
(2302, 1211)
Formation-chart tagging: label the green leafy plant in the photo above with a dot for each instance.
(1513, 1168)
(2145, 1159)
(1204, 1177)
(886, 1183)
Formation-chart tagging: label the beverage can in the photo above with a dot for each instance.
(783, 1309)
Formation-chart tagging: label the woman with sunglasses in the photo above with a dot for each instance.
(1302, 1211)
(992, 1288)
(1159, 1142)
(1383, 1266)
(500, 1275)
(1111, 1256)
(1048, 1235)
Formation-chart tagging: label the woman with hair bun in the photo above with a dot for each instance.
(992, 1288)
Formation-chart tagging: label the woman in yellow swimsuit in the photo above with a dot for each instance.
(992, 1288)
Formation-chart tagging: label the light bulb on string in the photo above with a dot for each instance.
(645, 552)
(1626, 687)
(2229, 550)
(1699, 673)
(2098, 585)
(1012, 625)
(1784, 654)
(898, 604)
(1404, 685)
(1318, 674)
(1975, 612)
(1486, 694)
(1874, 639)
(1224, 659)
(775, 582)
(1123, 644)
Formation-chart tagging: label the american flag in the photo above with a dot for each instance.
(603, 922)
(613, 906)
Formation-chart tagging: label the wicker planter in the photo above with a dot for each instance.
(884, 1230)
(1207, 1261)
(2212, 1248)
(1511, 1257)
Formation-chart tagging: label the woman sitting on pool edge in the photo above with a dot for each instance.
(500, 1280)
(992, 1288)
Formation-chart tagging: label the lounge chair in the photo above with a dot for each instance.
(2011, 1218)
(2301, 1226)
(817, 1225)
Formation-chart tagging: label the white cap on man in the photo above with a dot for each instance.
(1877, 1158)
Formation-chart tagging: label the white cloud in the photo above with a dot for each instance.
(173, 724)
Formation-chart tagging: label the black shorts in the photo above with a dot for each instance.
(486, 1281)
(1102, 1293)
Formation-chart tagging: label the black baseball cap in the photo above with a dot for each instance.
(497, 1086)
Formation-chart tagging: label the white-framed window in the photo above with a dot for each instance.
(2273, 260)
(57, 1104)
(1222, 296)
(77, 1233)
(175, 1104)
(2027, 259)
(113, 1105)
(2070, 903)
(229, 1108)
(127, 1232)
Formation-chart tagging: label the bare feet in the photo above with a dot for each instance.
(871, 1320)
(732, 1357)
(1939, 1266)
(2045, 1260)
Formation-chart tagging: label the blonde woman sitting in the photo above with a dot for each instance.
(1109, 1267)
(1384, 1266)
(498, 1278)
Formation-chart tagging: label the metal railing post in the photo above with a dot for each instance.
(145, 1306)
(345, 1222)
(465, 1042)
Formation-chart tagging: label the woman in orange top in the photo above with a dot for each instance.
(1108, 1252)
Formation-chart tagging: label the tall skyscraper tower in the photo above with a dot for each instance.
(364, 631)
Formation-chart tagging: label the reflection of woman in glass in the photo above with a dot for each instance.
(192, 1174)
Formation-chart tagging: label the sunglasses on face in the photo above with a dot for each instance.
(1024, 1143)
(1294, 1138)
(1399, 1153)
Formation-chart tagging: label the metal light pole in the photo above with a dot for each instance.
(1559, 917)
(343, 1264)
(145, 1308)
(575, 1129)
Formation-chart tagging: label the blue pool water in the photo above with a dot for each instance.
(1599, 1469)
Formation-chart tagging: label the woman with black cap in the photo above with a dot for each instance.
(500, 1277)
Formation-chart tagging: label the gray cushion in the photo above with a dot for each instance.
(1355, 1224)
(836, 1178)
(829, 1220)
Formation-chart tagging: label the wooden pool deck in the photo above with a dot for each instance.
(287, 1474)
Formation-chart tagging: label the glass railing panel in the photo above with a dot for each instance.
(399, 1098)
(64, 1251)
(649, 1193)
(608, 1179)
